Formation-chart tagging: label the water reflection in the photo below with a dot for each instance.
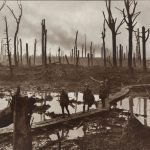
(140, 106)
(60, 137)
(48, 103)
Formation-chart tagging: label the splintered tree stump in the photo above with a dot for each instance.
(22, 139)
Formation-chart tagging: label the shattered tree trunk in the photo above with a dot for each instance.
(18, 60)
(114, 50)
(42, 24)
(67, 59)
(22, 139)
(44, 43)
(35, 43)
(49, 58)
(144, 40)
(45, 46)
(85, 46)
(21, 52)
(8, 48)
(82, 50)
(91, 54)
(88, 56)
(120, 55)
(27, 54)
(134, 60)
(104, 48)
(130, 48)
(59, 56)
(76, 49)
(138, 47)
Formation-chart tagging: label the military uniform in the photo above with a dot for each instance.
(88, 98)
(104, 92)
(64, 102)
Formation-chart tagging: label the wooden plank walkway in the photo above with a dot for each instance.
(52, 122)
(73, 117)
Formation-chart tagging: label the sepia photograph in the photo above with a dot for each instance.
(74, 75)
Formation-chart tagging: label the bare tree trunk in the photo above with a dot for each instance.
(88, 56)
(50, 59)
(8, 48)
(114, 49)
(27, 54)
(21, 51)
(43, 23)
(130, 49)
(104, 49)
(45, 46)
(59, 57)
(35, 43)
(144, 40)
(91, 55)
(85, 46)
(111, 22)
(82, 50)
(67, 59)
(134, 60)
(17, 30)
(120, 55)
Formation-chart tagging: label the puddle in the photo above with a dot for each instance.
(140, 107)
(51, 100)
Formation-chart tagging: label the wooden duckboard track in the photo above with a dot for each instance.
(54, 122)
(73, 117)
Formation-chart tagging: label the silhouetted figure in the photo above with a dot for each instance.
(88, 98)
(64, 102)
(104, 91)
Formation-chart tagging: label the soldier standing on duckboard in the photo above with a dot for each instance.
(88, 98)
(104, 91)
(64, 102)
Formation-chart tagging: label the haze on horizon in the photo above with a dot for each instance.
(64, 18)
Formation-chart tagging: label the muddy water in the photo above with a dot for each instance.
(53, 103)
(140, 106)
(68, 138)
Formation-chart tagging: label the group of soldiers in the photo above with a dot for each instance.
(88, 96)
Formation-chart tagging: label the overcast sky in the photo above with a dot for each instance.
(63, 18)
